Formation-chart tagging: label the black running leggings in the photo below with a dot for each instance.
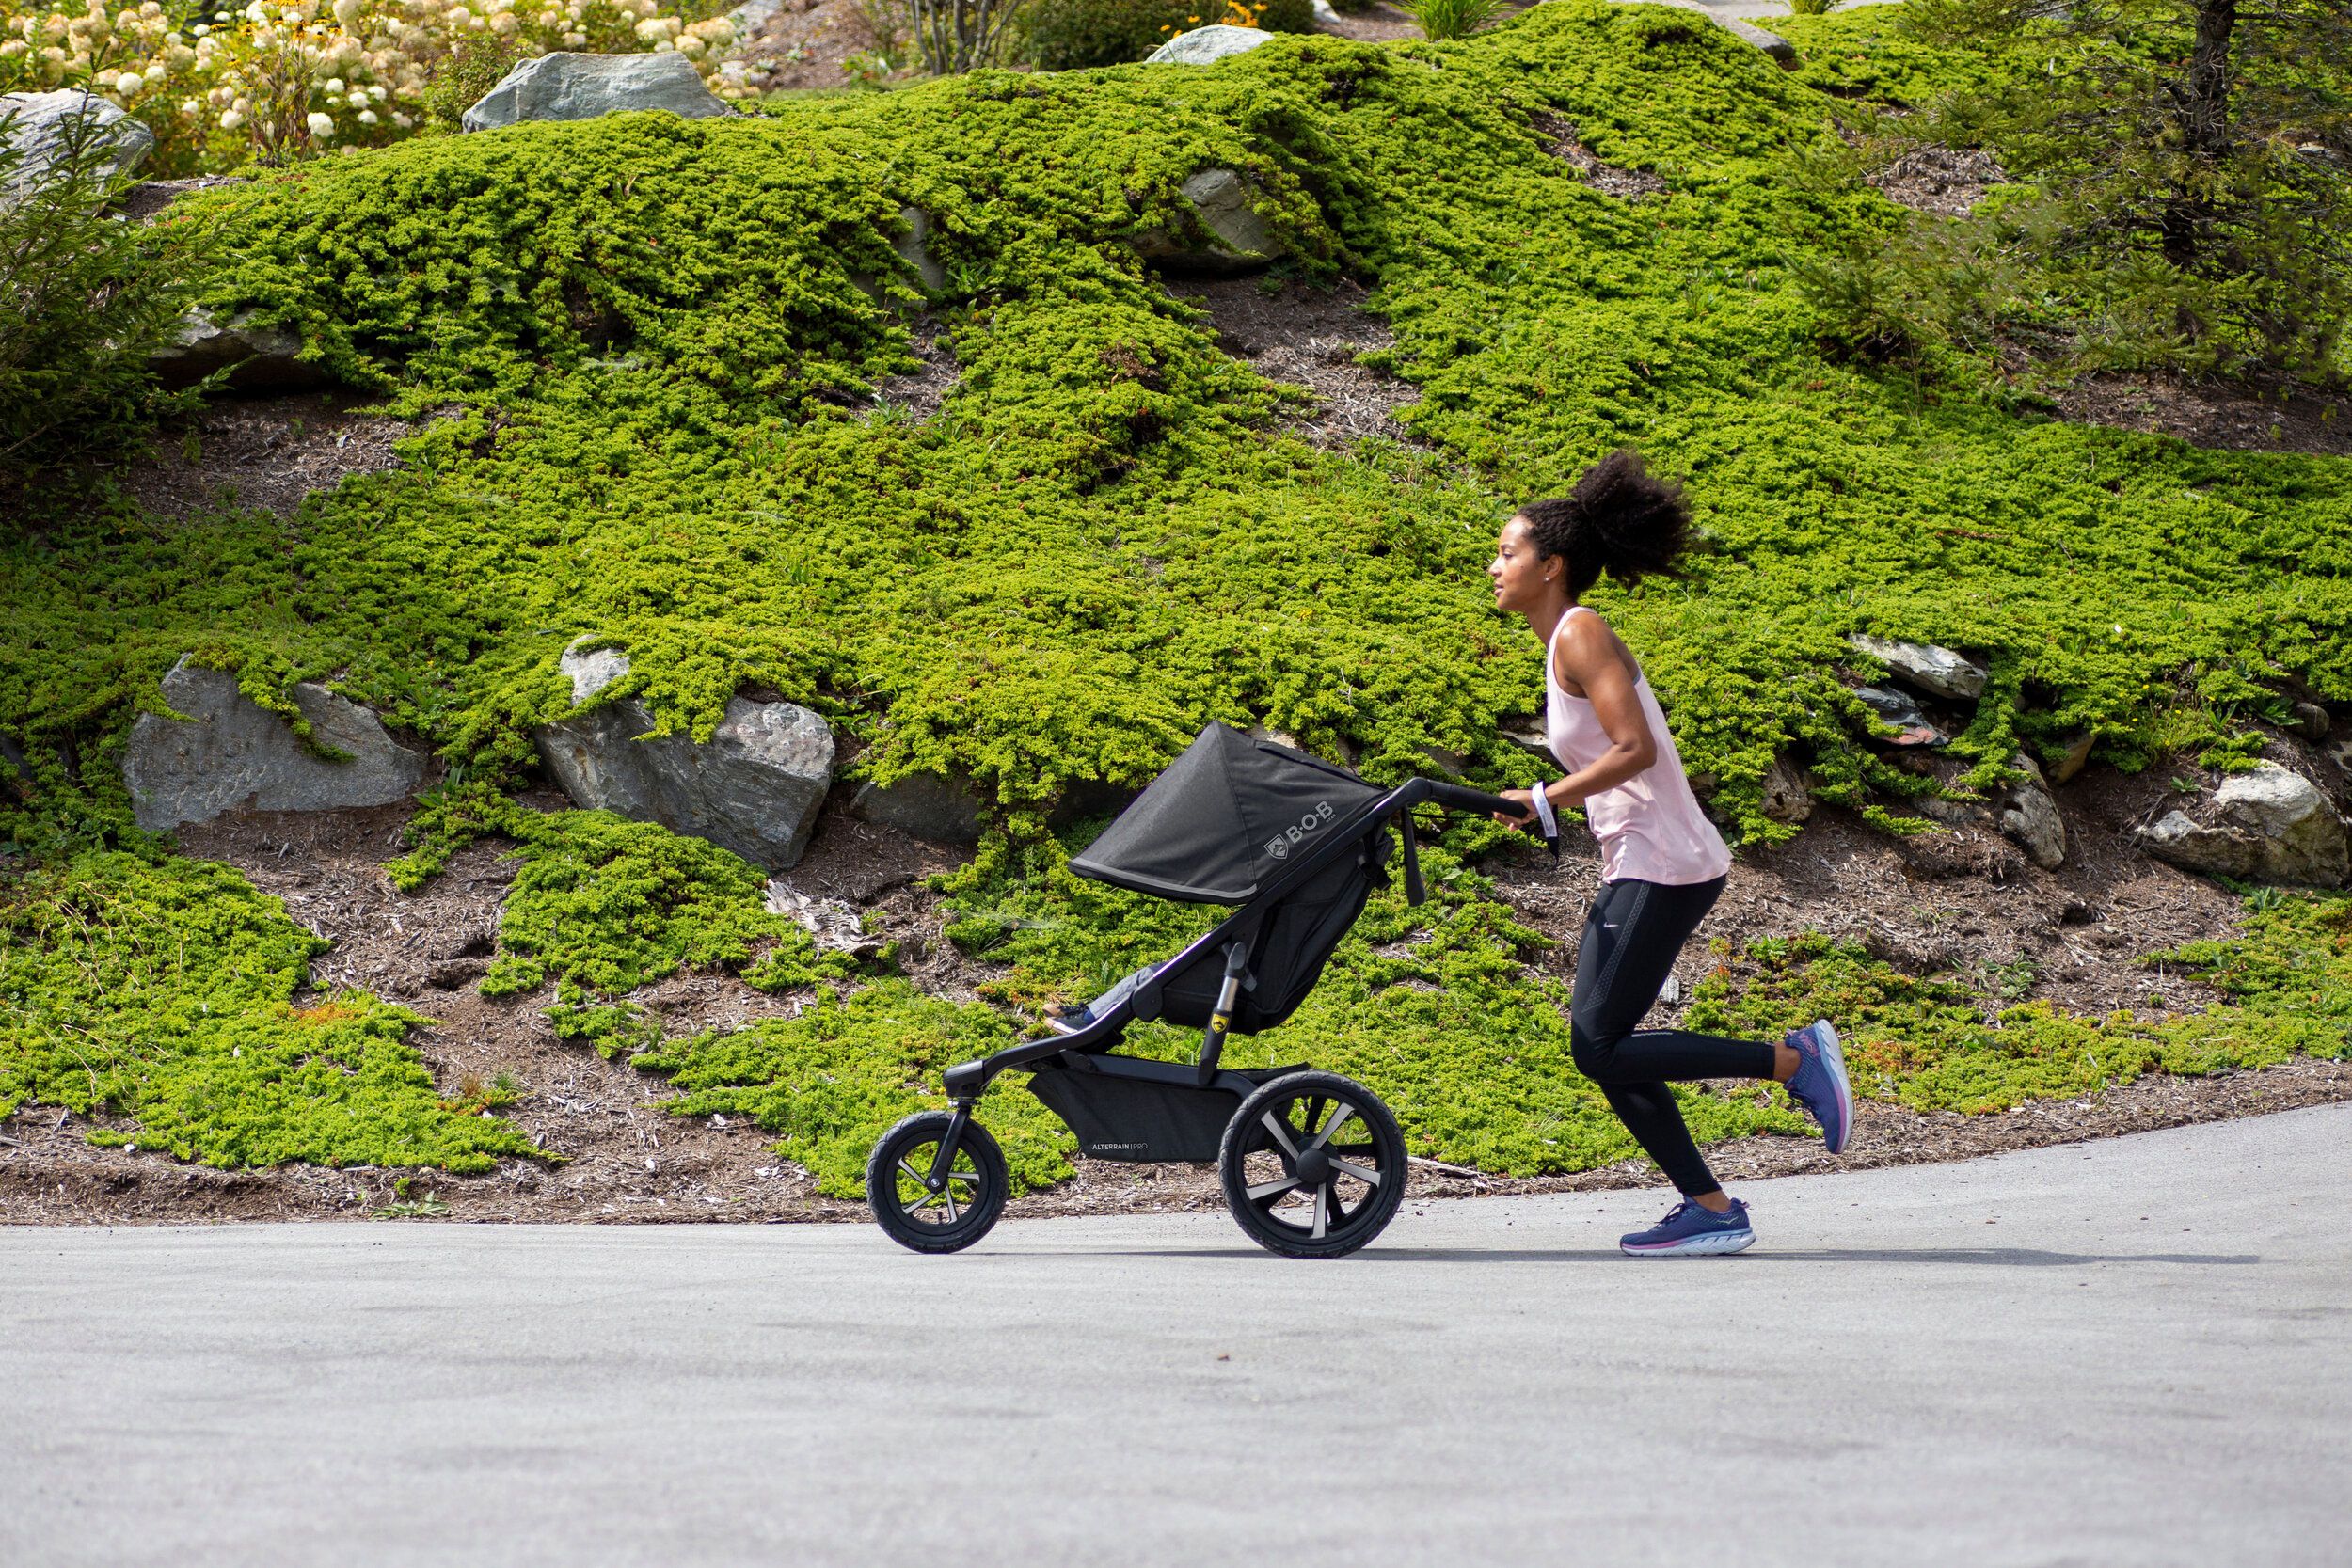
(1631, 939)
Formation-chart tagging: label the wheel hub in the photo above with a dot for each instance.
(1314, 1167)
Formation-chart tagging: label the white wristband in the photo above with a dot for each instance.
(1544, 815)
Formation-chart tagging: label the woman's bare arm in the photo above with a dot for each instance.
(1588, 659)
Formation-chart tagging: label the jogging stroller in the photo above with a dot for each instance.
(1311, 1163)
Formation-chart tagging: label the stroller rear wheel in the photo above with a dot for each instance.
(957, 1213)
(1313, 1165)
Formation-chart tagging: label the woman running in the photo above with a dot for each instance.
(1661, 862)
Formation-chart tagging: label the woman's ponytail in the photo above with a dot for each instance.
(1620, 518)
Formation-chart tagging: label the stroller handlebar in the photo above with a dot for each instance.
(1462, 797)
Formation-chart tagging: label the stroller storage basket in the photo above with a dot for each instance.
(1120, 1118)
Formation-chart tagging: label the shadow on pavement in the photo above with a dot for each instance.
(2014, 1258)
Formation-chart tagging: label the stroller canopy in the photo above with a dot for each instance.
(1223, 817)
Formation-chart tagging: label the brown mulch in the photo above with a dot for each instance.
(1379, 23)
(1942, 179)
(2253, 417)
(260, 451)
(803, 45)
(1560, 139)
(1309, 338)
(921, 391)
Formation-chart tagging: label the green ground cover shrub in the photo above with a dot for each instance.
(602, 906)
(662, 342)
(161, 992)
(1937, 1043)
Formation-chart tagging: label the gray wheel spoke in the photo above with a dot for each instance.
(963, 1176)
(923, 1202)
(950, 1197)
(913, 1175)
(1268, 1189)
(1369, 1176)
(1340, 1111)
(1282, 1134)
(1323, 1212)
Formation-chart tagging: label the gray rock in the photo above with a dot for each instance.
(1912, 727)
(231, 754)
(1233, 237)
(1207, 45)
(1533, 739)
(1770, 44)
(1788, 798)
(751, 16)
(2340, 755)
(2270, 824)
(1937, 671)
(2077, 756)
(753, 787)
(2310, 721)
(582, 86)
(266, 358)
(43, 126)
(925, 805)
(2030, 819)
(914, 248)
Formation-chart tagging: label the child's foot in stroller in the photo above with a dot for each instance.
(1819, 1083)
(1692, 1230)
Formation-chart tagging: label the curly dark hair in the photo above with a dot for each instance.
(1620, 518)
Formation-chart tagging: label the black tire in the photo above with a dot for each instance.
(1290, 1202)
(926, 1220)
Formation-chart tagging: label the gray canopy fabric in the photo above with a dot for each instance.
(1222, 818)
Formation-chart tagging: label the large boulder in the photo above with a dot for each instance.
(926, 805)
(1207, 45)
(2270, 824)
(1228, 236)
(42, 126)
(265, 358)
(1890, 707)
(582, 86)
(1773, 44)
(2029, 817)
(231, 754)
(1937, 671)
(754, 787)
(1788, 794)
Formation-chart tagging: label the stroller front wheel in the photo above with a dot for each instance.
(958, 1212)
(1312, 1165)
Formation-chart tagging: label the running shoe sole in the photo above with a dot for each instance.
(1834, 1058)
(1712, 1245)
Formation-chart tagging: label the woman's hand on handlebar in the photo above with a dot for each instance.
(1524, 800)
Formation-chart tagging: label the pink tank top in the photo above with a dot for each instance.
(1650, 827)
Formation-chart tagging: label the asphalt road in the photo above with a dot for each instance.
(2130, 1352)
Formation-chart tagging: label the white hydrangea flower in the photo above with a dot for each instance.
(333, 84)
(230, 119)
(322, 126)
(367, 116)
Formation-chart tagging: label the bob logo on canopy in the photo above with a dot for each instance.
(1280, 844)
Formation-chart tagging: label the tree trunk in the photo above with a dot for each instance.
(2202, 110)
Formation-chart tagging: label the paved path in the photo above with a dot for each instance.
(2127, 1352)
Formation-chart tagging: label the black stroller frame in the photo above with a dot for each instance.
(1288, 1181)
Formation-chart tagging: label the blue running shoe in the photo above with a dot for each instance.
(1820, 1083)
(1691, 1231)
